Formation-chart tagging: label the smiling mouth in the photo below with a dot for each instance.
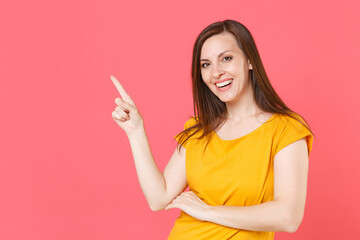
(224, 84)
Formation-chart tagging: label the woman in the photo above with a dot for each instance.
(246, 152)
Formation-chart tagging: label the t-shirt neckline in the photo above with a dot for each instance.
(250, 133)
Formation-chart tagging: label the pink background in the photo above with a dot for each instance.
(66, 168)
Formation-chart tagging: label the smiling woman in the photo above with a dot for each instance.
(244, 154)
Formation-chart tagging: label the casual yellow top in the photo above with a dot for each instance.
(238, 172)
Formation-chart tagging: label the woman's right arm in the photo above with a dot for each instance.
(159, 188)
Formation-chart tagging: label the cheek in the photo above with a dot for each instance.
(206, 81)
(205, 76)
(240, 72)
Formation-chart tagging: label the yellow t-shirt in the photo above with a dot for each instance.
(236, 172)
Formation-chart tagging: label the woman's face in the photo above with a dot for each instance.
(224, 67)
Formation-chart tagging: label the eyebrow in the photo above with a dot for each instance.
(218, 55)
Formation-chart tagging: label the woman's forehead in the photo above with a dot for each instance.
(219, 43)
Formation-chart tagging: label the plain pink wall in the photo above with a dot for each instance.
(66, 168)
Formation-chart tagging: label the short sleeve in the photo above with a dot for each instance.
(190, 122)
(291, 131)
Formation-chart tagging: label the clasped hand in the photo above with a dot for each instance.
(191, 204)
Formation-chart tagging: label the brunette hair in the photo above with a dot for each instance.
(209, 111)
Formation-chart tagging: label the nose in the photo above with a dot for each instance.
(217, 71)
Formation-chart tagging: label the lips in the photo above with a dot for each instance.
(223, 80)
(223, 84)
(225, 87)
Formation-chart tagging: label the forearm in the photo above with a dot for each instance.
(269, 216)
(151, 180)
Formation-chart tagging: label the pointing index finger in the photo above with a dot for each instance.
(121, 90)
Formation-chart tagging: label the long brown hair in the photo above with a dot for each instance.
(209, 111)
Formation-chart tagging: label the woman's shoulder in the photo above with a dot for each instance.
(280, 123)
(291, 118)
(288, 129)
(192, 121)
(291, 124)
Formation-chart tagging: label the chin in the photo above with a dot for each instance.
(229, 97)
(226, 100)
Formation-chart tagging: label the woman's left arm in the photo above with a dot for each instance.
(284, 213)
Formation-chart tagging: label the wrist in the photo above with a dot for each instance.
(136, 133)
(210, 213)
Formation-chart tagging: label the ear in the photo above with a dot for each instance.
(250, 66)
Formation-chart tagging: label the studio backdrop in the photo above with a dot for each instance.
(66, 168)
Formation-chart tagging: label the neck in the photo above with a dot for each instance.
(242, 108)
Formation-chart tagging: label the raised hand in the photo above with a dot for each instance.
(126, 114)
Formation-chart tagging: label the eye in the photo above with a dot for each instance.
(227, 58)
(204, 65)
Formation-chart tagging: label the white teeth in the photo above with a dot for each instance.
(223, 83)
